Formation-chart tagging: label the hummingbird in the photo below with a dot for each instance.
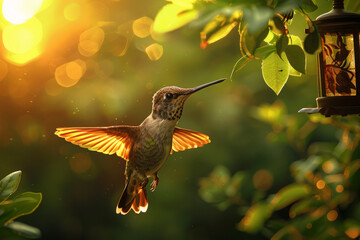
(145, 147)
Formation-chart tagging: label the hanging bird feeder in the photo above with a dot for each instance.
(338, 63)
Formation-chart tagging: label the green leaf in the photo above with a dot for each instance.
(257, 18)
(312, 42)
(22, 204)
(276, 25)
(275, 71)
(289, 194)
(239, 65)
(250, 42)
(281, 44)
(235, 184)
(24, 230)
(271, 38)
(9, 184)
(255, 218)
(264, 51)
(304, 206)
(219, 34)
(294, 40)
(172, 17)
(296, 57)
(308, 6)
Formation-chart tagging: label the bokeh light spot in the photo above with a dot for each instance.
(3, 69)
(262, 180)
(90, 41)
(19, 11)
(80, 162)
(328, 166)
(320, 184)
(154, 51)
(68, 74)
(142, 27)
(339, 188)
(72, 11)
(22, 38)
(75, 69)
(332, 215)
(353, 232)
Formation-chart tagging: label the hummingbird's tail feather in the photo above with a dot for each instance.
(137, 201)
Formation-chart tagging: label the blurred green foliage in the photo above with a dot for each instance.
(11, 209)
(258, 138)
(322, 202)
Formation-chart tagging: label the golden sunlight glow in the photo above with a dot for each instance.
(3, 70)
(90, 41)
(142, 27)
(72, 11)
(22, 38)
(19, 11)
(68, 74)
(23, 41)
(154, 51)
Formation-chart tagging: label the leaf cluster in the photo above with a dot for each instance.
(262, 27)
(13, 207)
(322, 200)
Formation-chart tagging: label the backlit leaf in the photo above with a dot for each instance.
(295, 40)
(239, 65)
(276, 25)
(250, 42)
(9, 184)
(271, 38)
(22, 204)
(312, 42)
(281, 44)
(296, 57)
(24, 230)
(264, 51)
(275, 71)
(219, 34)
(289, 194)
(255, 218)
(172, 16)
(308, 6)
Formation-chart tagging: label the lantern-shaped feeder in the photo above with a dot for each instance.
(338, 63)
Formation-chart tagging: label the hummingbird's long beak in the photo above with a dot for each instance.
(195, 89)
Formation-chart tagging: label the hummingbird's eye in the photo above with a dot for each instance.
(168, 95)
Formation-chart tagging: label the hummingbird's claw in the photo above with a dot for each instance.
(154, 184)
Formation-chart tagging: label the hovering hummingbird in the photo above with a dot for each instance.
(145, 147)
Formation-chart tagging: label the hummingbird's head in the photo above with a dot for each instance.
(168, 102)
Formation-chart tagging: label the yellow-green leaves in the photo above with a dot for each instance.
(275, 71)
(296, 57)
(9, 184)
(12, 208)
(255, 218)
(312, 42)
(175, 15)
(290, 194)
(22, 204)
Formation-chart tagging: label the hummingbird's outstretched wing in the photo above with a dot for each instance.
(185, 139)
(108, 140)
